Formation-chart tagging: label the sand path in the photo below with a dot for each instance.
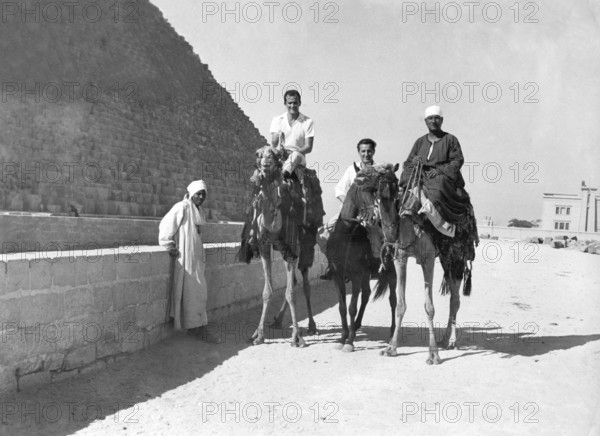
(528, 363)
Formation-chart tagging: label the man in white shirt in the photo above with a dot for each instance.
(366, 151)
(293, 131)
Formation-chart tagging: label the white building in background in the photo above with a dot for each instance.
(487, 221)
(573, 213)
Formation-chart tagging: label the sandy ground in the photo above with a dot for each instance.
(528, 363)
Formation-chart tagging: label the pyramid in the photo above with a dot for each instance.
(107, 110)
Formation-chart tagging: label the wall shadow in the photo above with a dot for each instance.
(63, 407)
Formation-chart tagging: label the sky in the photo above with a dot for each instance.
(518, 84)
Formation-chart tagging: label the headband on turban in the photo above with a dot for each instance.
(195, 186)
(433, 110)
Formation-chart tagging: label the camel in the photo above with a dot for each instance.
(413, 236)
(283, 215)
(349, 254)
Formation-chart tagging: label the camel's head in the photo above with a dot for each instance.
(387, 196)
(376, 194)
(267, 160)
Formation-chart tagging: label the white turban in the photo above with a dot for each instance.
(195, 186)
(433, 110)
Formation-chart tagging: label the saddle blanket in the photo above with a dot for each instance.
(427, 207)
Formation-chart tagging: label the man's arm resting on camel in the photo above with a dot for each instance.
(274, 140)
(308, 146)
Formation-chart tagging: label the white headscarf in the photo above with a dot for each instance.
(195, 186)
(433, 110)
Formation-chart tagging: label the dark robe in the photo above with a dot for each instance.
(446, 190)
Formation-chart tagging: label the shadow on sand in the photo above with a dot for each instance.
(477, 340)
(63, 407)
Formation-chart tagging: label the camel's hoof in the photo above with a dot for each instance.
(258, 341)
(389, 352)
(447, 345)
(298, 343)
(348, 348)
(434, 359)
(276, 324)
(312, 329)
(357, 326)
(338, 346)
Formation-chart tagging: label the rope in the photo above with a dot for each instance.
(412, 182)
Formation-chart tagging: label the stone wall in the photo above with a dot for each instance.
(45, 233)
(114, 116)
(519, 233)
(78, 312)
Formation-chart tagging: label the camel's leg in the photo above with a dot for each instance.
(366, 293)
(352, 311)
(312, 327)
(338, 278)
(393, 303)
(427, 266)
(400, 265)
(449, 340)
(265, 257)
(277, 322)
(290, 296)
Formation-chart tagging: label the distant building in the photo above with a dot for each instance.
(487, 221)
(572, 212)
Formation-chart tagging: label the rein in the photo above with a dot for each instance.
(366, 212)
(394, 244)
(413, 180)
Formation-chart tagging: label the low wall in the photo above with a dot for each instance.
(21, 232)
(70, 313)
(519, 233)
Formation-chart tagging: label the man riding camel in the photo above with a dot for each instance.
(439, 157)
(366, 151)
(294, 132)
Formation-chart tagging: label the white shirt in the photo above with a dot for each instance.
(341, 189)
(296, 135)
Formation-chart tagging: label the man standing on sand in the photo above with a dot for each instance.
(294, 132)
(180, 233)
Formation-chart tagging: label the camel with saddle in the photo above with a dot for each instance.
(350, 256)
(284, 215)
(412, 228)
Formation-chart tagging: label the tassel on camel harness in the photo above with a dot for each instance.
(467, 278)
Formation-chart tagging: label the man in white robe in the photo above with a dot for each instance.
(180, 233)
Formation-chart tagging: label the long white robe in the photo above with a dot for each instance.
(179, 228)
